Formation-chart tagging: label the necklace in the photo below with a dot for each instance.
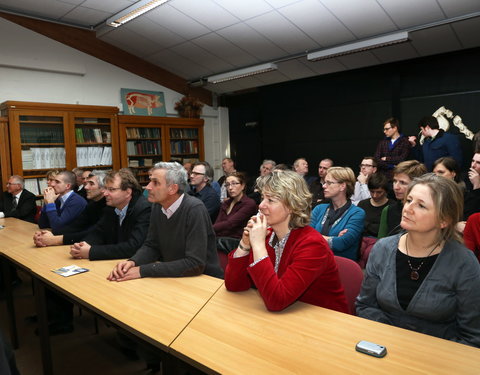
(414, 270)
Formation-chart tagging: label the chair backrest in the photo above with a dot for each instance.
(223, 259)
(365, 247)
(351, 276)
(37, 214)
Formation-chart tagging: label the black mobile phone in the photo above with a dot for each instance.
(371, 348)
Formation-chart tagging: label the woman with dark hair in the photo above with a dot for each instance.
(234, 213)
(424, 279)
(447, 167)
(279, 254)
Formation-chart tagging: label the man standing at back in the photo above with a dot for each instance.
(181, 240)
(437, 143)
(62, 204)
(17, 202)
(393, 149)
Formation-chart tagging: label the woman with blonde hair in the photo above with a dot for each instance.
(279, 254)
(340, 222)
(424, 279)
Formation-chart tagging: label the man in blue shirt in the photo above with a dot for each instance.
(437, 143)
(62, 204)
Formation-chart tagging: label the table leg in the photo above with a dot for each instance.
(7, 281)
(40, 302)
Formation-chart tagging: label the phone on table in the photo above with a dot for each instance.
(371, 348)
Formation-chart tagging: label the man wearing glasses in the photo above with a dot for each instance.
(17, 202)
(200, 179)
(368, 166)
(393, 149)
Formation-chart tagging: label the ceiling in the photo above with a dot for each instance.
(198, 38)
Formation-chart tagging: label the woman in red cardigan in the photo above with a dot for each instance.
(281, 255)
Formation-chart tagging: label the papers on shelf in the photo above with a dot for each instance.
(91, 156)
(43, 158)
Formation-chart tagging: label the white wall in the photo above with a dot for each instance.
(37, 69)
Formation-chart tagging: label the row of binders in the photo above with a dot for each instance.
(91, 156)
(36, 185)
(43, 158)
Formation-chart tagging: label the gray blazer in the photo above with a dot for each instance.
(447, 303)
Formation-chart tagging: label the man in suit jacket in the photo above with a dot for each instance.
(62, 204)
(18, 202)
(123, 227)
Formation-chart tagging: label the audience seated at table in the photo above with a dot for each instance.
(234, 213)
(281, 255)
(403, 174)
(425, 280)
(62, 204)
(180, 240)
(18, 202)
(78, 228)
(340, 222)
(373, 207)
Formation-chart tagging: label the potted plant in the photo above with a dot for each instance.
(189, 107)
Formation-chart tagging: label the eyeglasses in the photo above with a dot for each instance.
(112, 189)
(328, 183)
(12, 183)
(386, 128)
(228, 184)
(197, 174)
(365, 165)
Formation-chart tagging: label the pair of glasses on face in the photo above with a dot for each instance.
(197, 174)
(233, 184)
(386, 128)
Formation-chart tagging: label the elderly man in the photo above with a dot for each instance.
(316, 186)
(78, 229)
(200, 179)
(62, 204)
(301, 167)
(368, 166)
(267, 167)
(181, 240)
(18, 202)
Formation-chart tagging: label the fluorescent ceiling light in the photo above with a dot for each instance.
(137, 9)
(363, 45)
(241, 73)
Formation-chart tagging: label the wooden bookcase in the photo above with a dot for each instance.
(146, 140)
(45, 136)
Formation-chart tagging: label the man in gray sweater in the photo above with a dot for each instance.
(180, 240)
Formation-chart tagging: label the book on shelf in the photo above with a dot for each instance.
(138, 133)
(41, 134)
(183, 133)
(92, 135)
(144, 147)
(184, 147)
(133, 163)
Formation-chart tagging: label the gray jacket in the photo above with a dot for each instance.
(447, 303)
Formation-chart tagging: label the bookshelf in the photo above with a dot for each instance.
(146, 140)
(45, 136)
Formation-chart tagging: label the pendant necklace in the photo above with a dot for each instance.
(414, 270)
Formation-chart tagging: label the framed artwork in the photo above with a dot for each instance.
(143, 102)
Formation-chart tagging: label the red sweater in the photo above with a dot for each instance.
(307, 272)
(471, 234)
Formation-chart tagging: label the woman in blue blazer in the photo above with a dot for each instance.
(340, 222)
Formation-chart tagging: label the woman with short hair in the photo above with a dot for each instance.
(279, 254)
(425, 280)
(340, 222)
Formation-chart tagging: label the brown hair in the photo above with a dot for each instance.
(344, 175)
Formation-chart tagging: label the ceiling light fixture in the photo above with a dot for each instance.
(242, 73)
(361, 46)
(133, 11)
